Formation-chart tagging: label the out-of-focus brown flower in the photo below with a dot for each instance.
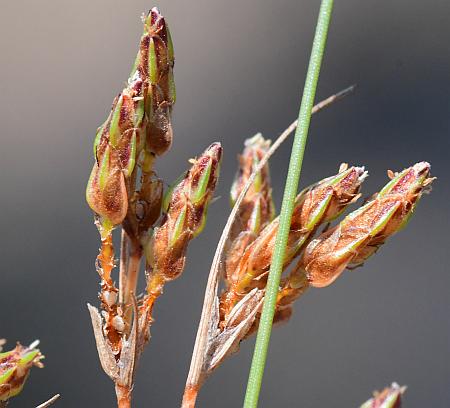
(15, 366)
(390, 397)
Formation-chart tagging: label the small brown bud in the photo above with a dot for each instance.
(106, 191)
(154, 66)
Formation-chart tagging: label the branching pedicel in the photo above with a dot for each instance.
(247, 256)
(124, 190)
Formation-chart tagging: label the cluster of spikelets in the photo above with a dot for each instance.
(312, 259)
(124, 190)
(15, 366)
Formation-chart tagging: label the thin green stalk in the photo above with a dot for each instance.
(290, 191)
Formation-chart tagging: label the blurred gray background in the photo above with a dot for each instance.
(240, 68)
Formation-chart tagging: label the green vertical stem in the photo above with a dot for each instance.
(287, 207)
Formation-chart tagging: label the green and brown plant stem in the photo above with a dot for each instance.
(123, 396)
(196, 376)
(123, 263)
(130, 284)
(293, 177)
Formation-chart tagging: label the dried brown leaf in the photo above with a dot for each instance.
(237, 326)
(105, 352)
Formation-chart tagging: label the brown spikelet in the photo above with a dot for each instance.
(362, 232)
(315, 205)
(185, 218)
(257, 209)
